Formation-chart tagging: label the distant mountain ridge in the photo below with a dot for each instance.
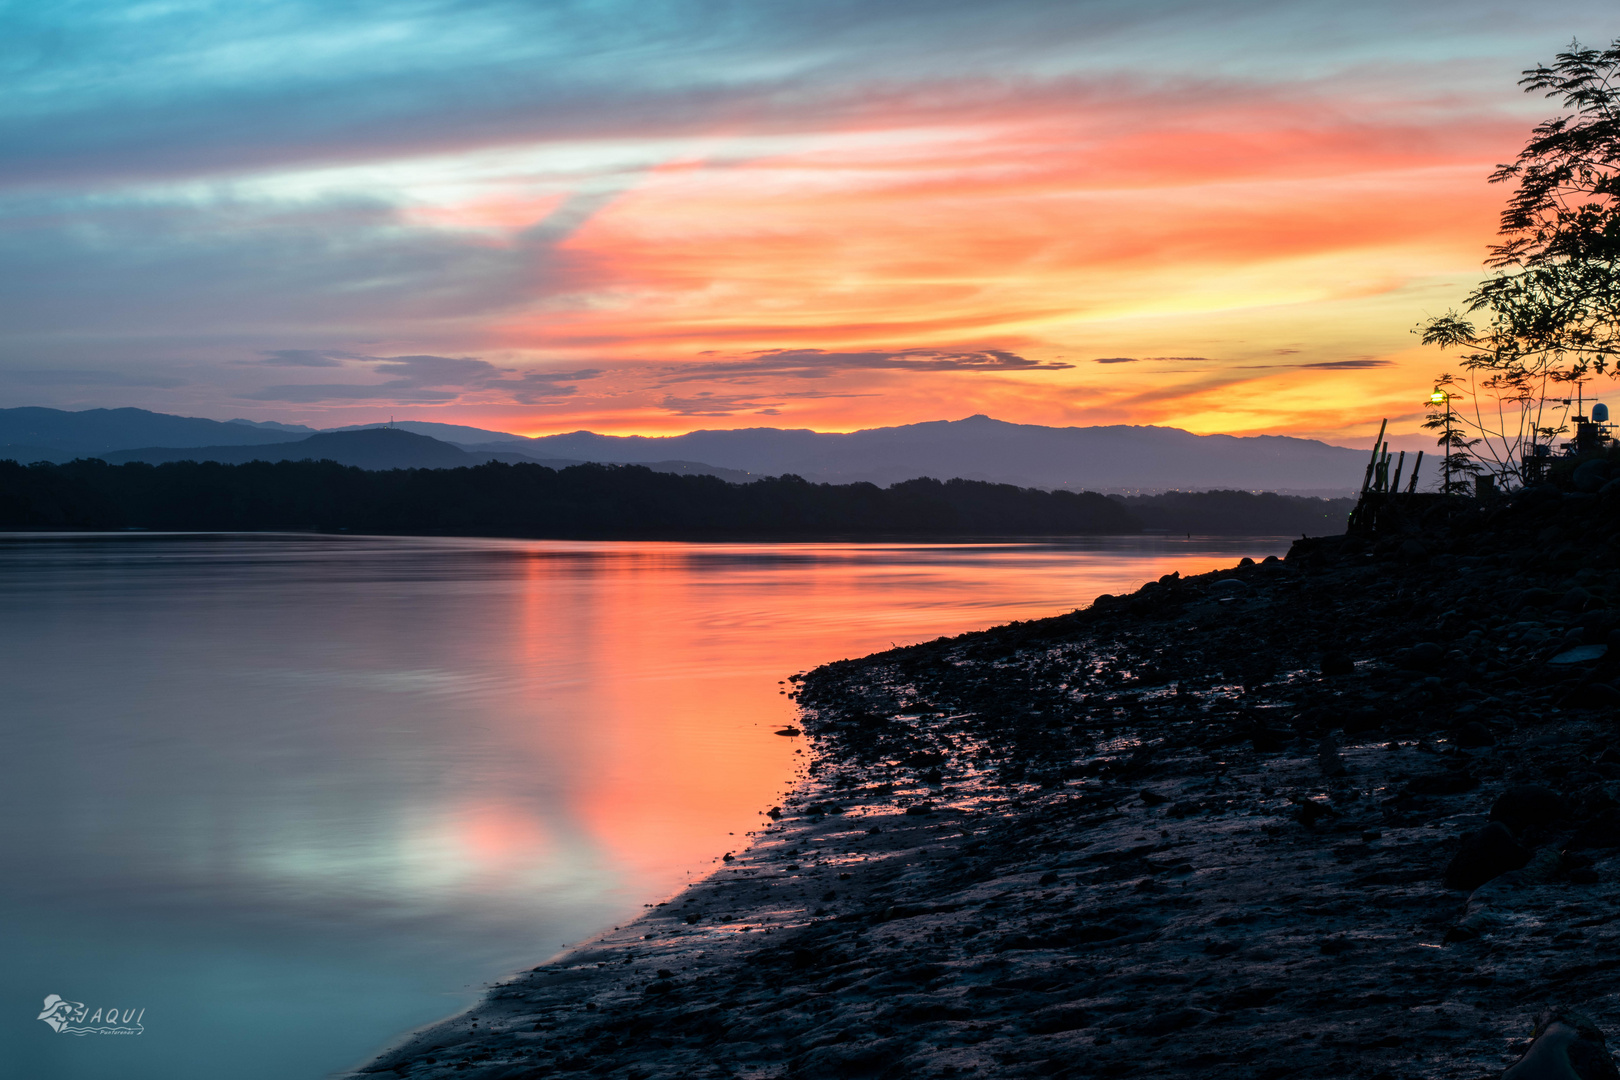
(379, 448)
(376, 448)
(980, 448)
(1114, 458)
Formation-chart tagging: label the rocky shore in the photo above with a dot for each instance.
(1354, 813)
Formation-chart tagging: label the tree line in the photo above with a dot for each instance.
(601, 502)
(495, 499)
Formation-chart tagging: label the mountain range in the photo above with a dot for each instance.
(1112, 458)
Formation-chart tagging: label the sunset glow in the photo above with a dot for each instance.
(1224, 218)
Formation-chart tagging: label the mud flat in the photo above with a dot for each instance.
(1234, 825)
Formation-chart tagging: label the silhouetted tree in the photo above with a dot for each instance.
(1552, 303)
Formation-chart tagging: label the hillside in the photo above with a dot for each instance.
(1118, 458)
(980, 448)
(528, 500)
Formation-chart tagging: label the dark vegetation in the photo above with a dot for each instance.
(601, 501)
(1238, 513)
(526, 500)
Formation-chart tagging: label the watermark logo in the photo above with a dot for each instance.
(75, 1018)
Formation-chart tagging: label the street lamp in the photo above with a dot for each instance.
(1441, 397)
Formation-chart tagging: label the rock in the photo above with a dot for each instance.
(790, 730)
(1172, 1021)
(1591, 476)
(1337, 663)
(918, 809)
(1475, 736)
(1311, 812)
(1151, 798)
(857, 1057)
(1602, 831)
(1566, 1046)
(1528, 806)
(1580, 654)
(1596, 626)
(1328, 757)
(1574, 600)
(1267, 740)
(1227, 587)
(1446, 783)
(1535, 598)
(1057, 1019)
(1426, 656)
(1248, 997)
(1611, 488)
(1485, 854)
(1595, 696)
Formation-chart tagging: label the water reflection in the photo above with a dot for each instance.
(294, 795)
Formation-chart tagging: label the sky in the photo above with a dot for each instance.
(662, 215)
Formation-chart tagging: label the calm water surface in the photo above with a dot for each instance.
(293, 796)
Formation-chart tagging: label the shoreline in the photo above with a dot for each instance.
(1151, 838)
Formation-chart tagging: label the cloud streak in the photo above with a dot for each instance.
(823, 364)
(419, 379)
(749, 200)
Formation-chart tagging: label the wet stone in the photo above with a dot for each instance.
(1485, 854)
(1528, 806)
(1337, 663)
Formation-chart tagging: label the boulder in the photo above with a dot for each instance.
(1591, 476)
(1602, 831)
(1328, 757)
(1056, 1019)
(1597, 625)
(1475, 736)
(1337, 663)
(1580, 654)
(1535, 598)
(1566, 1046)
(1528, 806)
(1595, 696)
(1575, 599)
(1425, 656)
(1485, 853)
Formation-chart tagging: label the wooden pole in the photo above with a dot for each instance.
(1411, 485)
(1374, 460)
(1395, 484)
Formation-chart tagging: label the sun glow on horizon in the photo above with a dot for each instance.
(774, 222)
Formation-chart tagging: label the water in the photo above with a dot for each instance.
(292, 796)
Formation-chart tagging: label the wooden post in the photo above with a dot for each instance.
(1374, 460)
(1395, 484)
(1411, 485)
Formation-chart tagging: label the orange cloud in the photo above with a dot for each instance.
(1292, 240)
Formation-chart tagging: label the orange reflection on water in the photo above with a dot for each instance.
(654, 668)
